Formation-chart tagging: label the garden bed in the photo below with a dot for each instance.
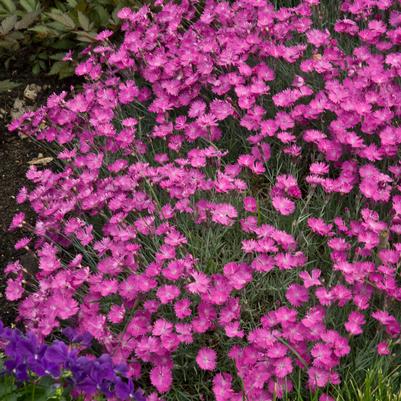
(225, 200)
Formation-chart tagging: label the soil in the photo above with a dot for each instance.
(15, 153)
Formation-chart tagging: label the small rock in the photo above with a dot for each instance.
(18, 104)
(31, 91)
(18, 109)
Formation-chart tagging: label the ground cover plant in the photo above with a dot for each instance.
(225, 210)
(45, 29)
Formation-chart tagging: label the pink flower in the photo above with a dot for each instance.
(326, 397)
(297, 295)
(310, 279)
(319, 168)
(22, 195)
(104, 35)
(233, 329)
(222, 387)
(224, 214)
(383, 349)
(161, 377)
(283, 205)
(197, 109)
(318, 377)
(221, 109)
(182, 308)
(206, 358)
(354, 323)
(14, 289)
(318, 38)
(162, 327)
(389, 321)
(283, 367)
(167, 293)
(318, 226)
(277, 351)
(201, 284)
(14, 267)
(116, 314)
(17, 221)
(22, 243)
(250, 204)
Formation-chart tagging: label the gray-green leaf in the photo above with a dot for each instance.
(29, 5)
(63, 19)
(83, 21)
(8, 85)
(8, 24)
(27, 20)
(9, 5)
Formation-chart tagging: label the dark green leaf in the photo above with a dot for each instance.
(29, 5)
(8, 85)
(63, 19)
(104, 16)
(72, 3)
(36, 69)
(86, 37)
(63, 44)
(9, 5)
(60, 6)
(8, 24)
(27, 20)
(56, 68)
(57, 56)
(84, 21)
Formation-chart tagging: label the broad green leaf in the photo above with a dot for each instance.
(9, 44)
(15, 35)
(36, 69)
(83, 21)
(27, 20)
(63, 19)
(8, 24)
(58, 27)
(57, 56)
(42, 29)
(56, 68)
(29, 5)
(86, 37)
(104, 16)
(67, 71)
(72, 3)
(9, 5)
(60, 6)
(6, 86)
(42, 56)
(63, 44)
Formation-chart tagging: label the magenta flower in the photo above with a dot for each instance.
(383, 349)
(283, 205)
(161, 378)
(297, 295)
(206, 359)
